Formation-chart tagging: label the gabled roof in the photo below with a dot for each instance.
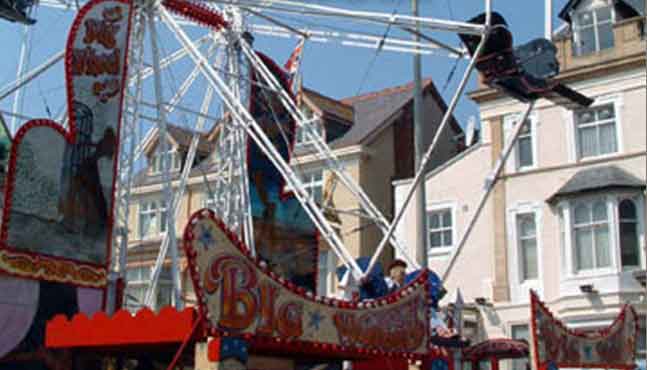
(180, 136)
(329, 105)
(372, 110)
(597, 179)
(183, 137)
(638, 6)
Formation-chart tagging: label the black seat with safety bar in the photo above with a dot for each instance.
(524, 72)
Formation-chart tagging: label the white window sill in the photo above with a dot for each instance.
(603, 281)
(527, 168)
(439, 251)
(598, 157)
(152, 237)
(594, 273)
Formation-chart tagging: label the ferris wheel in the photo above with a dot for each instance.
(189, 65)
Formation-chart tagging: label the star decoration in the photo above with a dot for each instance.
(234, 348)
(315, 320)
(205, 237)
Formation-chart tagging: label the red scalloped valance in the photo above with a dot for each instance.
(122, 329)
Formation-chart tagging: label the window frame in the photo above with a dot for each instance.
(312, 118)
(639, 224)
(519, 287)
(512, 327)
(618, 104)
(577, 50)
(212, 203)
(309, 184)
(158, 230)
(591, 225)
(566, 210)
(326, 282)
(513, 163)
(175, 161)
(520, 248)
(163, 283)
(441, 207)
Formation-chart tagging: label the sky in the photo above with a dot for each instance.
(332, 69)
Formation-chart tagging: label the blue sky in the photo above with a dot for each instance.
(332, 69)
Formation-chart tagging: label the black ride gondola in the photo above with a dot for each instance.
(524, 72)
(17, 10)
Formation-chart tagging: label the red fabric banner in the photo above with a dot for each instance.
(556, 346)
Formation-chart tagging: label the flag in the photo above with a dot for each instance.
(294, 61)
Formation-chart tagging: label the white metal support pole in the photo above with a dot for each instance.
(418, 132)
(305, 8)
(28, 77)
(324, 150)
(548, 14)
(163, 149)
(23, 61)
(243, 203)
(172, 58)
(490, 181)
(243, 117)
(420, 171)
(173, 206)
(127, 142)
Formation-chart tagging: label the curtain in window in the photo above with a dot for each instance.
(525, 151)
(601, 232)
(629, 250)
(608, 142)
(591, 229)
(596, 131)
(528, 244)
(147, 219)
(588, 142)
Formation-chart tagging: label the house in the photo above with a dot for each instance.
(567, 216)
(371, 135)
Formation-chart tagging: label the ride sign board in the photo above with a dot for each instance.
(240, 296)
(57, 220)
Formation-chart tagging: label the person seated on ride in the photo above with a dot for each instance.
(397, 273)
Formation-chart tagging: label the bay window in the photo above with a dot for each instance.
(628, 227)
(591, 234)
(603, 233)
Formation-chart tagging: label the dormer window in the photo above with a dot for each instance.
(593, 29)
(173, 157)
(302, 138)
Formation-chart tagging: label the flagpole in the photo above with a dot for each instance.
(548, 20)
(418, 133)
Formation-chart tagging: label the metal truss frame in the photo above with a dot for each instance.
(231, 184)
